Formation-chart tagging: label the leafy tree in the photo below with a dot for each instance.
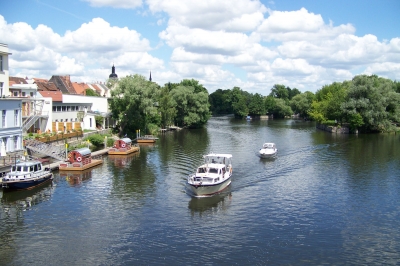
(192, 108)
(281, 109)
(280, 92)
(269, 104)
(167, 107)
(90, 92)
(239, 102)
(220, 102)
(133, 104)
(301, 103)
(371, 96)
(257, 106)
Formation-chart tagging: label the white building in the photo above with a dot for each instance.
(4, 73)
(10, 125)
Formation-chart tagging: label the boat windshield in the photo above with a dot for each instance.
(213, 171)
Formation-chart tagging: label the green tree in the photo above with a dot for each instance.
(133, 104)
(281, 109)
(220, 102)
(371, 97)
(191, 103)
(301, 103)
(239, 102)
(167, 107)
(90, 92)
(256, 105)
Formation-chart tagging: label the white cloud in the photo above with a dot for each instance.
(227, 15)
(129, 4)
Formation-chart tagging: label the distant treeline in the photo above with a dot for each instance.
(366, 103)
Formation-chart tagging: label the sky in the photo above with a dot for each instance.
(251, 44)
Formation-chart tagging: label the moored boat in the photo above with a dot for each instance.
(268, 150)
(79, 160)
(213, 176)
(146, 139)
(26, 175)
(123, 147)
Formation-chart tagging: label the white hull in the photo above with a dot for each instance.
(267, 155)
(205, 190)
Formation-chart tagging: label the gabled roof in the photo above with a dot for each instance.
(55, 95)
(40, 80)
(97, 89)
(79, 88)
(63, 83)
(16, 80)
(46, 86)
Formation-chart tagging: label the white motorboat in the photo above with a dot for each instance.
(213, 176)
(26, 175)
(268, 150)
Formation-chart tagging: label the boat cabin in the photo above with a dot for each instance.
(83, 155)
(269, 146)
(125, 143)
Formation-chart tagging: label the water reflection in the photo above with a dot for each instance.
(213, 203)
(76, 178)
(26, 198)
(123, 160)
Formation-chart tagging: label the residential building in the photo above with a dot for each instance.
(10, 124)
(4, 72)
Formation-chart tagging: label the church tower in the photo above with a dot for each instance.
(113, 75)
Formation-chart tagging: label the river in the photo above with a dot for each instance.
(325, 199)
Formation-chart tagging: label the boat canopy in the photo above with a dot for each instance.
(218, 158)
(269, 145)
(126, 140)
(83, 151)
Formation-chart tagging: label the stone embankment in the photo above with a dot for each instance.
(332, 129)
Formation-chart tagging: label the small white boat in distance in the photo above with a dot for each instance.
(268, 150)
(213, 176)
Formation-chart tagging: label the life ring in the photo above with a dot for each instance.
(79, 159)
(123, 145)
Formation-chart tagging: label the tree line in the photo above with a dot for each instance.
(365, 103)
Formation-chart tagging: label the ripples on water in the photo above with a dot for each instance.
(325, 199)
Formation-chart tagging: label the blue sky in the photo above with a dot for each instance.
(249, 44)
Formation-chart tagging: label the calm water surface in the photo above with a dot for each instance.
(326, 199)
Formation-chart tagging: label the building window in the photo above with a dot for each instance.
(90, 120)
(15, 93)
(64, 108)
(54, 109)
(1, 63)
(15, 143)
(62, 120)
(16, 116)
(1, 89)
(58, 108)
(3, 118)
(23, 94)
(31, 94)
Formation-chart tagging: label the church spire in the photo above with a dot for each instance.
(113, 75)
(150, 76)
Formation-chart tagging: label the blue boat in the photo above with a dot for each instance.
(26, 175)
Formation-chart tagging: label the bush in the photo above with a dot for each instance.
(96, 139)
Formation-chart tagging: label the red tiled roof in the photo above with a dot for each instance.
(17, 80)
(79, 87)
(40, 80)
(55, 95)
(98, 90)
(46, 86)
